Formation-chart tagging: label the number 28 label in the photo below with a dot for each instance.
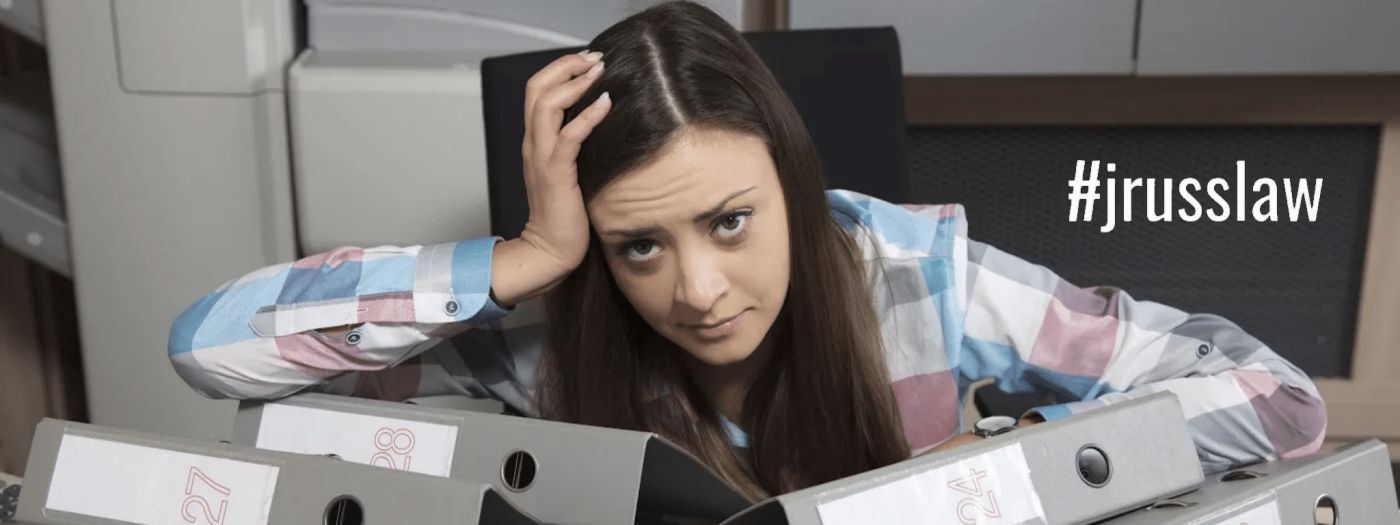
(394, 443)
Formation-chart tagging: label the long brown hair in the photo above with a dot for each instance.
(822, 408)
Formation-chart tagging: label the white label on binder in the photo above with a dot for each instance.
(397, 444)
(992, 488)
(1266, 514)
(139, 484)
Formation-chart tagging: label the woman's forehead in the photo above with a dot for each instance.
(694, 173)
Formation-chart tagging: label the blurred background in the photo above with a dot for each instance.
(152, 149)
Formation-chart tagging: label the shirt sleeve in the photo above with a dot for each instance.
(1094, 346)
(497, 361)
(262, 335)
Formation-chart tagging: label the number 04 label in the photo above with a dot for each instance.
(125, 482)
(1265, 514)
(992, 488)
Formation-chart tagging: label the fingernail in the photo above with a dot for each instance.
(604, 98)
(593, 56)
(582, 53)
(594, 71)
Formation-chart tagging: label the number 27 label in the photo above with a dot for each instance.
(198, 490)
(172, 486)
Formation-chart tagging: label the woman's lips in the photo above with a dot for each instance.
(721, 330)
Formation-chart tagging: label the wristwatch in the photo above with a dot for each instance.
(993, 425)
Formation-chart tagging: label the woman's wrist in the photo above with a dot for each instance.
(520, 273)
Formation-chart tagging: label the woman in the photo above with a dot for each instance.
(701, 285)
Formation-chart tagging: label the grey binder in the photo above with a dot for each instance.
(1355, 479)
(80, 473)
(1047, 473)
(558, 472)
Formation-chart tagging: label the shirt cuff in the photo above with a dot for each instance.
(452, 282)
(1064, 410)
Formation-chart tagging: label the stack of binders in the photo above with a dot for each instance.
(315, 458)
(1076, 470)
(1073, 470)
(1351, 484)
(86, 474)
(558, 472)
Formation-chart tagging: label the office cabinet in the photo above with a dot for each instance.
(992, 37)
(1269, 37)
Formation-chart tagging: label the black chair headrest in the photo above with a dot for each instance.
(846, 83)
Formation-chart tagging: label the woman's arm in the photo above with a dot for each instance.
(1005, 318)
(497, 360)
(1091, 347)
(282, 328)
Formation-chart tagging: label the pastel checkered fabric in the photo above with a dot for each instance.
(953, 311)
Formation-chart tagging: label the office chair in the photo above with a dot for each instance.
(851, 97)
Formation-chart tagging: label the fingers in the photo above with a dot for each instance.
(571, 137)
(548, 113)
(557, 72)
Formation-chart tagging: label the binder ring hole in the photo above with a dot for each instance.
(1241, 475)
(344, 510)
(1093, 466)
(1171, 504)
(1326, 511)
(518, 472)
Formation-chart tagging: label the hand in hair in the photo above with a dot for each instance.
(556, 237)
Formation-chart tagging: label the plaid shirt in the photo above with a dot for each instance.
(953, 311)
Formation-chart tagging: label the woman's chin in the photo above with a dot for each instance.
(722, 353)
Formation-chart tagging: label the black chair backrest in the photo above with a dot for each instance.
(847, 85)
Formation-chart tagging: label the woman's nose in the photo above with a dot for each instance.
(701, 283)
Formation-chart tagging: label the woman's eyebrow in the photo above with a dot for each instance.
(705, 216)
(712, 212)
(632, 234)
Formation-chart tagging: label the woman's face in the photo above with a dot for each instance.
(698, 242)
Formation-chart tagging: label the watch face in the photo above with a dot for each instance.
(995, 425)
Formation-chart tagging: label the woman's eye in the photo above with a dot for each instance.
(732, 224)
(640, 250)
